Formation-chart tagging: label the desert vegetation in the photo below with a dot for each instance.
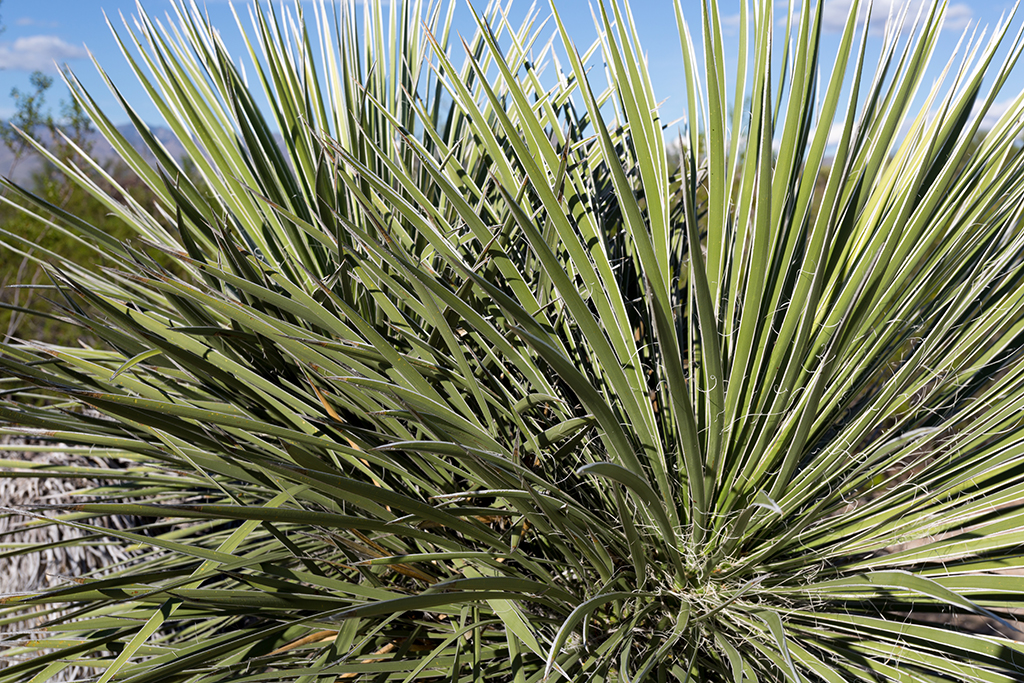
(466, 377)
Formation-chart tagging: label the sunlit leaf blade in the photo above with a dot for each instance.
(452, 363)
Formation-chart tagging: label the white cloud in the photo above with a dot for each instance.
(29, 21)
(835, 13)
(994, 113)
(731, 23)
(37, 53)
(958, 17)
(835, 133)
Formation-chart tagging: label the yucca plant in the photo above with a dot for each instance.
(468, 376)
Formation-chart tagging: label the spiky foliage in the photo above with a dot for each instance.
(468, 380)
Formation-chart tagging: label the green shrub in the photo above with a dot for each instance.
(30, 242)
(26, 292)
(466, 381)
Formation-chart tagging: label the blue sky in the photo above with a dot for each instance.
(37, 32)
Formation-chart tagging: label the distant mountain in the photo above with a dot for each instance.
(31, 163)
